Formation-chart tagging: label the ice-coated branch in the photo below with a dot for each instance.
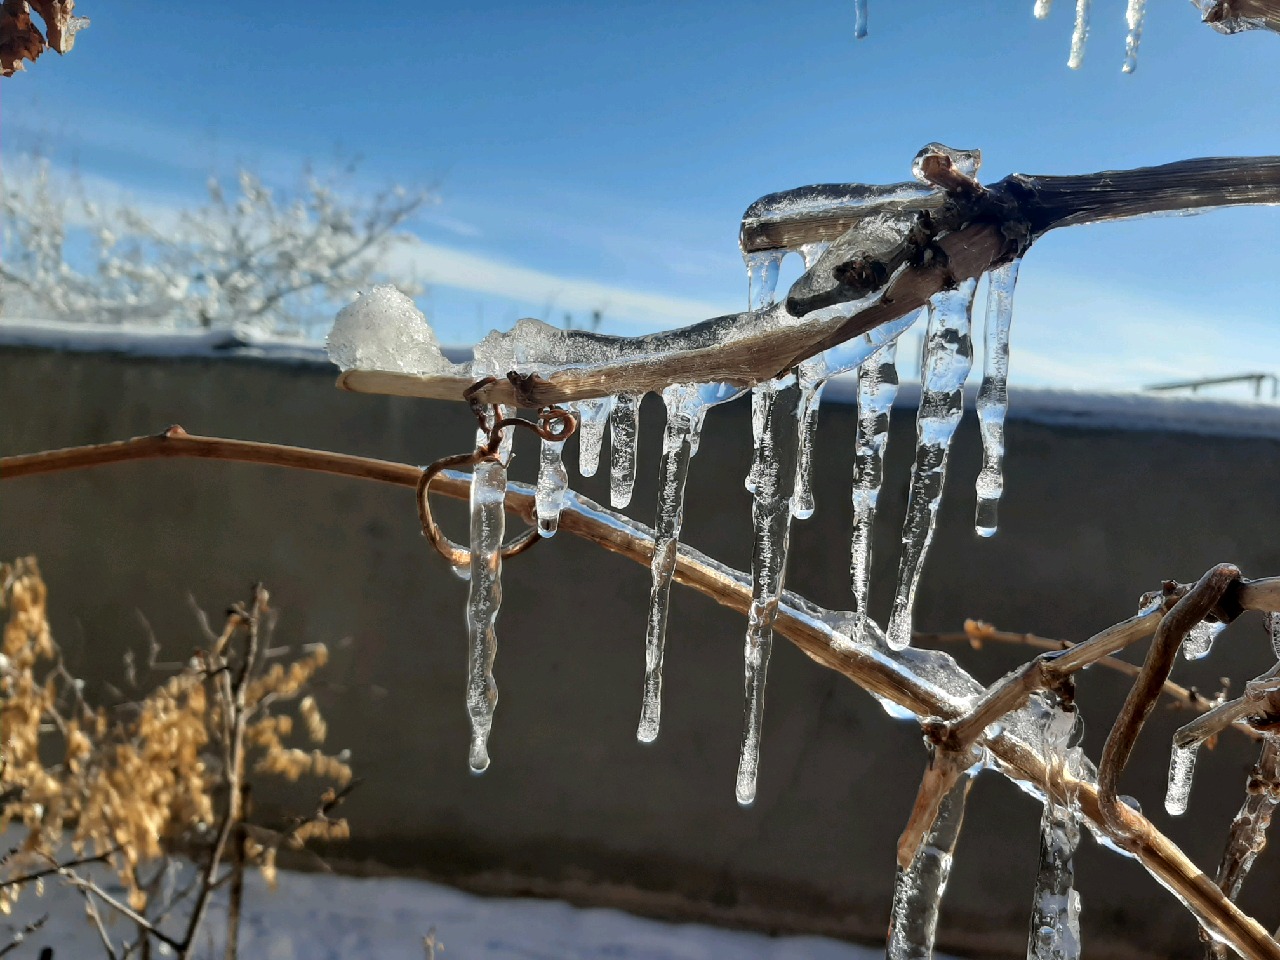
(909, 678)
(892, 248)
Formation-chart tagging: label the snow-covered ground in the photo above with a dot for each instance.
(314, 916)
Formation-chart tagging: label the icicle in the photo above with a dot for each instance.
(488, 526)
(1182, 768)
(1134, 14)
(592, 416)
(993, 396)
(553, 481)
(877, 389)
(810, 252)
(624, 425)
(1080, 35)
(762, 277)
(802, 505)
(859, 19)
(685, 413)
(775, 427)
(1200, 640)
(1055, 911)
(917, 893)
(948, 356)
(1042, 9)
(1273, 627)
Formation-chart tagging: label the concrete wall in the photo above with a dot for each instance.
(572, 805)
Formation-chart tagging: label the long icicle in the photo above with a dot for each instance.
(877, 389)
(918, 890)
(948, 356)
(484, 598)
(624, 429)
(993, 395)
(685, 413)
(1079, 35)
(776, 440)
(812, 376)
(1248, 836)
(1055, 910)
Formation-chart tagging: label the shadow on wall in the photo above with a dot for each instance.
(1104, 500)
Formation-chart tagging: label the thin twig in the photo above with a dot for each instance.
(91, 909)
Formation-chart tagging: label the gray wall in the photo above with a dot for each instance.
(572, 805)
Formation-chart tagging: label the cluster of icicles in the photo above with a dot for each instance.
(1134, 15)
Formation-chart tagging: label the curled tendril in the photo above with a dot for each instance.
(553, 424)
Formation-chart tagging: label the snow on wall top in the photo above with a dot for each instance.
(1064, 408)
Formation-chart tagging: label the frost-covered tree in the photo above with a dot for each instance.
(255, 259)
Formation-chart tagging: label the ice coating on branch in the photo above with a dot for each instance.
(1182, 768)
(1200, 639)
(1134, 15)
(1080, 34)
(624, 430)
(966, 162)
(1055, 911)
(948, 356)
(1218, 15)
(859, 19)
(553, 481)
(775, 427)
(918, 890)
(1042, 8)
(484, 598)
(592, 416)
(382, 330)
(877, 389)
(993, 395)
(686, 411)
(1248, 836)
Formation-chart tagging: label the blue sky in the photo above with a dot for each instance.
(599, 155)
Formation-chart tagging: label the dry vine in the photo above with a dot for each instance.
(894, 677)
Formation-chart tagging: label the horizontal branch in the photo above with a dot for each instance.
(813, 630)
(935, 239)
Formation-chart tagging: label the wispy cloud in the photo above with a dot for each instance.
(441, 265)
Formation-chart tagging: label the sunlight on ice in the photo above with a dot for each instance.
(592, 416)
(993, 395)
(1200, 639)
(484, 598)
(948, 356)
(624, 428)
(1080, 35)
(553, 481)
(1055, 912)
(382, 329)
(1134, 15)
(1182, 768)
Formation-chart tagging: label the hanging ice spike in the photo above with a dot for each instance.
(877, 389)
(484, 598)
(624, 426)
(553, 481)
(918, 890)
(687, 406)
(592, 417)
(775, 423)
(993, 395)
(1055, 912)
(948, 356)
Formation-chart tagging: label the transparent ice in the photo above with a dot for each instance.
(553, 481)
(877, 389)
(918, 890)
(1182, 768)
(1055, 911)
(624, 427)
(993, 395)
(1200, 639)
(775, 426)
(592, 416)
(859, 19)
(948, 356)
(484, 598)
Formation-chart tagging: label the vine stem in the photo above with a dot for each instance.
(803, 624)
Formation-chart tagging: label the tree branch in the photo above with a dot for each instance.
(938, 239)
